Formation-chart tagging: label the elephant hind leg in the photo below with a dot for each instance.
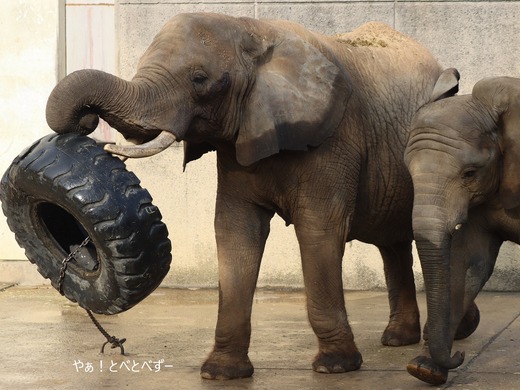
(403, 327)
(469, 322)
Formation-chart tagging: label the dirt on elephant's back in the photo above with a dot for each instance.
(374, 34)
(382, 51)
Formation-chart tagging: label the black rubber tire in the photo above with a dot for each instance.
(65, 187)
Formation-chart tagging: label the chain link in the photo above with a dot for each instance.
(66, 260)
(112, 340)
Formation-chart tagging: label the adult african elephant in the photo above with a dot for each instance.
(309, 127)
(463, 155)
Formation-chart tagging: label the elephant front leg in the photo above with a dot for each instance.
(241, 236)
(321, 260)
(473, 254)
(424, 368)
(403, 327)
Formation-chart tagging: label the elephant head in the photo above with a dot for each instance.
(208, 79)
(462, 151)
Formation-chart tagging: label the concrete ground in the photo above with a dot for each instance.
(48, 342)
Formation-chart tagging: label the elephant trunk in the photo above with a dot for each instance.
(433, 239)
(132, 108)
(76, 102)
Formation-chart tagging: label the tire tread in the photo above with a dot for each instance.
(75, 173)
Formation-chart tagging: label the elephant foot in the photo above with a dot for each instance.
(223, 366)
(423, 368)
(469, 322)
(332, 363)
(401, 333)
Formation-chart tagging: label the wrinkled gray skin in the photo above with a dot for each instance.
(463, 155)
(308, 127)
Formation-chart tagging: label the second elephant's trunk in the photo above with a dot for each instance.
(433, 244)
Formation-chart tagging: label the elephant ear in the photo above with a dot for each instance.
(447, 85)
(298, 99)
(502, 96)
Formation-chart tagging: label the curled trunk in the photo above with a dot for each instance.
(77, 102)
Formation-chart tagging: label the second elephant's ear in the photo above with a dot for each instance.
(502, 96)
(298, 99)
(447, 85)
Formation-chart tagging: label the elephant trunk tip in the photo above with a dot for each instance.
(65, 119)
(85, 125)
(451, 362)
(77, 101)
(89, 122)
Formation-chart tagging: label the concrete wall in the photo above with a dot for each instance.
(42, 41)
(29, 64)
(90, 42)
(479, 38)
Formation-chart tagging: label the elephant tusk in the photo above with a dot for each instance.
(154, 146)
(458, 226)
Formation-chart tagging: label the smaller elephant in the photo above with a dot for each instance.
(463, 155)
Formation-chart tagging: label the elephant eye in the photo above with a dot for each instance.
(199, 77)
(469, 174)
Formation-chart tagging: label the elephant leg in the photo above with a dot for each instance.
(467, 326)
(403, 327)
(469, 322)
(480, 262)
(474, 252)
(241, 232)
(322, 254)
(422, 367)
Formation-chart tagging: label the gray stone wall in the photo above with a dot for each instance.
(479, 38)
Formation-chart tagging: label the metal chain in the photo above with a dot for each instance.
(66, 260)
(112, 340)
